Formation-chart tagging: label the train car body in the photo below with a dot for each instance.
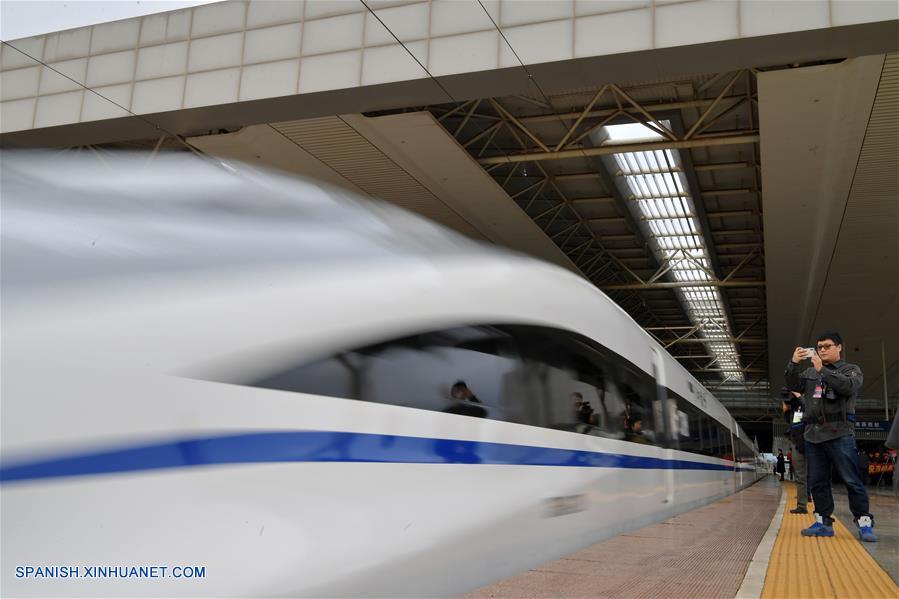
(254, 376)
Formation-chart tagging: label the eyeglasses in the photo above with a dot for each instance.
(824, 346)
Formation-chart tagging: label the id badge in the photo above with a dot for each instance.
(797, 417)
(819, 392)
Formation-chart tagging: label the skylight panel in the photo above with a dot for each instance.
(641, 162)
(632, 132)
(658, 206)
(645, 190)
(650, 208)
(665, 187)
(673, 184)
(672, 207)
(665, 225)
(656, 182)
(659, 185)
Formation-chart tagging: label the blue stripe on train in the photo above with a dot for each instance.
(324, 446)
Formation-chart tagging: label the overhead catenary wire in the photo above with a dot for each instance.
(481, 130)
(527, 71)
(450, 95)
(548, 103)
(408, 51)
(155, 126)
(460, 105)
(180, 138)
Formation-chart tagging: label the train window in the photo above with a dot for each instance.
(641, 420)
(745, 452)
(719, 448)
(705, 435)
(705, 438)
(459, 371)
(690, 426)
(566, 382)
(518, 373)
(713, 438)
(724, 449)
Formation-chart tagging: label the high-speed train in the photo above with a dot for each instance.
(218, 381)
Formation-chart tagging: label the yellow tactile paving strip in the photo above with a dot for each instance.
(822, 568)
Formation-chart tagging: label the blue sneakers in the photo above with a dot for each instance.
(818, 529)
(866, 530)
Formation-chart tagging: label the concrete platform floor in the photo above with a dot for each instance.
(703, 553)
(884, 504)
(706, 553)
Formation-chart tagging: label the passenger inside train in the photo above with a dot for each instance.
(584, 412)
(636, 435)
(516, 373)
(464, 401)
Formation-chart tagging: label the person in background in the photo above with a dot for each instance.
(829, 391)
(461, 392)
(863, 462)
(584, 412)
(636, 434)
(780, 469)
(793, 413)
(465, 401)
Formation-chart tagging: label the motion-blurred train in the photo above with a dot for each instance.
(267, 386)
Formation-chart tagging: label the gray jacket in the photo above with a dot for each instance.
(832, 414)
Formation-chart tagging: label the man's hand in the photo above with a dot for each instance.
(786, 407)
(798, 355)
(817, 363)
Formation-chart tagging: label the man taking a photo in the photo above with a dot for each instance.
(829, 388)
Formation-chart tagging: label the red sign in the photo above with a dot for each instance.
(880, 468)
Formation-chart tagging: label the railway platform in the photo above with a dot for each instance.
(745, 546)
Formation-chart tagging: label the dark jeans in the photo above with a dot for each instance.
(841, 454)
(799, 467)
